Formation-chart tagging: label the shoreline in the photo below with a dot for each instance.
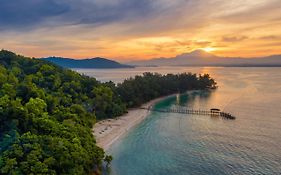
(108, 131)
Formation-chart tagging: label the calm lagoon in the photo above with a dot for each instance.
(179, 144)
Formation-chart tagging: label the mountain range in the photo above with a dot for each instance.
(93, 63)
(195, 58)
(202, 58)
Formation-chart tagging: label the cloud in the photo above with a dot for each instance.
(270, 37)
(173, 44)
(18, 14)
(234, 38)
(126, 28)
(21, 14)
(249, 11)
(202, 44)
(133, 17)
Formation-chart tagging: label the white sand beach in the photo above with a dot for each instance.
(108, 131)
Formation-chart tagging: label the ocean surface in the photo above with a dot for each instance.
(178, 144)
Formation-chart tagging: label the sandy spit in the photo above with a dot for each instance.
(108, 131)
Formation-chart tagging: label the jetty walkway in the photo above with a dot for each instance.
(184, 110)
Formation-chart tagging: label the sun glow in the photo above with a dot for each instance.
(208, 49)
(111, 33)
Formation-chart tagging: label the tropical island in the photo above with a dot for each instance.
(92, 63)
(47, 113)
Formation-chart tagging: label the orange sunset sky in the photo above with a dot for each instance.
(140, 29)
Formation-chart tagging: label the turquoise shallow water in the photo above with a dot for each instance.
(178, 144)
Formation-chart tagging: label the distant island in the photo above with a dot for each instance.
(195, 58)
(93, 63)
(203, 58)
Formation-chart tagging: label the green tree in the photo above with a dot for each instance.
(36, 106)
(47, 113)
(108, 159)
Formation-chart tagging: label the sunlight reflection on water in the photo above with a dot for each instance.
(188, 144)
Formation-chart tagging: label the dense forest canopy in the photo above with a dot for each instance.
(46, 115)
(141, 89)
(47, 112)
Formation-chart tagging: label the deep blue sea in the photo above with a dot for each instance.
(180, 144)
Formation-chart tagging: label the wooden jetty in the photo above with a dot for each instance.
(184, 110)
